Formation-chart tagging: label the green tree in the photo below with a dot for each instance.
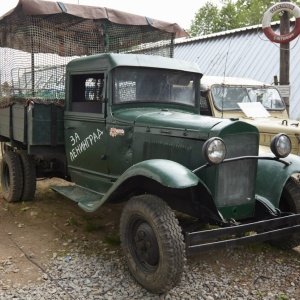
(205, 20)
(232, 14)
(251, 11)
(228, 17)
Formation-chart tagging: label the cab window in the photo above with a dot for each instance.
(87, 93)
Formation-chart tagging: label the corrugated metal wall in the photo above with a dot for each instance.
(244, 52)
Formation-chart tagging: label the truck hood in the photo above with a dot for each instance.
(275, 125)
(268, 127)
(169, 120)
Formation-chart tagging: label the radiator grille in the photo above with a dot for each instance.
(236, 180)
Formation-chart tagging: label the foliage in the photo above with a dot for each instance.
(228, 17)
(231, 14)
(205, 20)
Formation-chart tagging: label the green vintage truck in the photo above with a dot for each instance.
(131, 130)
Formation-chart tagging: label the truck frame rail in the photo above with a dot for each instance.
(240, 235)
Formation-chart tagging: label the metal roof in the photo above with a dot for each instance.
(243, 52)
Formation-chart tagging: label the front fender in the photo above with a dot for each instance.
(165, 172)
(272, 176)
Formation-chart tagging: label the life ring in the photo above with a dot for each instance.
(266, 23)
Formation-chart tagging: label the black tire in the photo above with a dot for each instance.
(289, 202)
(29, 175)
(11, 177)
(153, 243)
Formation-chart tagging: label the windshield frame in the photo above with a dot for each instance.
(144, 86)
(245, 92)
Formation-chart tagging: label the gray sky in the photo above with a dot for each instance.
(171, 11)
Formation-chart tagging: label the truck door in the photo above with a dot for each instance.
(85, 135)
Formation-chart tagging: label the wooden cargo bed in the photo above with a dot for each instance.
(37, 124)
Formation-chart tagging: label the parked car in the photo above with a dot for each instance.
(254, 102)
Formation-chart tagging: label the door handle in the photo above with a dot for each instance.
(69, 128)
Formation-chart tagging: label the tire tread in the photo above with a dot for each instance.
(173, 257)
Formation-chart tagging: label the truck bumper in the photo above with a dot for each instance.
(239, 235)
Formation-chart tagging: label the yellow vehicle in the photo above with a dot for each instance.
(255, 102)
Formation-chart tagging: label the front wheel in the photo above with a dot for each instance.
(289, 202)
(153, 243)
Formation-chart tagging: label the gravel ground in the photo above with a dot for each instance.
(244, 273)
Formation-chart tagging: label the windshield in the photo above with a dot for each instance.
(228, 97)
(132, 84)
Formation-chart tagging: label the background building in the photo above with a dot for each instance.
(244, 52)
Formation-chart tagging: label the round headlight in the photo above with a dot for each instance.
(214, 150)
(281, 145)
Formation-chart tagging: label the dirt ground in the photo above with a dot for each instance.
(32, 233)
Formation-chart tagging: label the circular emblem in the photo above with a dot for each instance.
(266, 24)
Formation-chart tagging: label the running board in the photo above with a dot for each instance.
(87, 199)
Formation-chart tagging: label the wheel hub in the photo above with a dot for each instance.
(146, 244)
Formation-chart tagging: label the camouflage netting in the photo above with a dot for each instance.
(38, 39)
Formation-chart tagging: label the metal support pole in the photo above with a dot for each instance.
(284, 74)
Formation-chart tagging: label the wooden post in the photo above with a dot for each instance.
(284, 73)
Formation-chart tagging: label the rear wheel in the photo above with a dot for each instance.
(11, 177)
(29, 175)
(152, 242)
(289, 202)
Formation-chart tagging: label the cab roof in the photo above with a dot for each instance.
(112, 60)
